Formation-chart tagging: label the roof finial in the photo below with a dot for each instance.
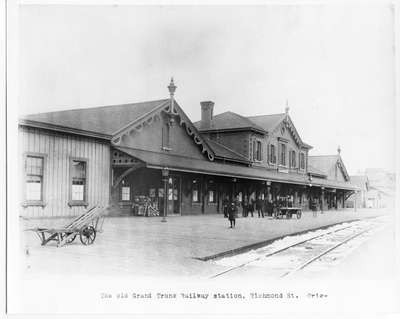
(287, 107)
(172, 87)
(338, 150)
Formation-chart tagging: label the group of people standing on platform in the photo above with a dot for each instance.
(259, 206)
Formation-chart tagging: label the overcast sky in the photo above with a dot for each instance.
(334, 64)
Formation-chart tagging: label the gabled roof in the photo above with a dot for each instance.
(316, 172)
(268, 122)
(322, 162)
(104, 120)
(223, 152)
(381, 177)
(386, 192)
(112, 122)
(325, 163)
(361, 181)
(175, 113)
(228, 121)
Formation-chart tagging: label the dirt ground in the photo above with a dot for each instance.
(139, 246)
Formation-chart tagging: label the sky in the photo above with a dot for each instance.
(332, 64)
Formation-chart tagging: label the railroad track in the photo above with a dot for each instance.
(309, 250)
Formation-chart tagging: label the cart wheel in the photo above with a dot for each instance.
(71, 239)
(88, 235)
(298, 214)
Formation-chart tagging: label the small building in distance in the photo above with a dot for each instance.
(329, 167)
(383, 187)
(377, 189)
(359, 198)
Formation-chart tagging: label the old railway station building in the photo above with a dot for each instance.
(118, 155)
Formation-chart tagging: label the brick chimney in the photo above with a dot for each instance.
(207, 110)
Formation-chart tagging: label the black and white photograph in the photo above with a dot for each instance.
(202, 160)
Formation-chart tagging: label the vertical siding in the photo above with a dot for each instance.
(50, 181)
(43, 148)
(56, 200)
(64, 154)
(106, 162)
(58, 149)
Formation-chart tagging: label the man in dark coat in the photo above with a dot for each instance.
(314, 207)
(259, 207)
(232, 212)
(274, 208)
(251, 205)
(267, 206)
(245, 205)
(225, 205)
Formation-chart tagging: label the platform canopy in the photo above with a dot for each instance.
(187, 164)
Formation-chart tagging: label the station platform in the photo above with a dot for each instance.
(145, 246)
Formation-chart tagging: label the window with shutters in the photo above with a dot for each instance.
(78, 183)
(34, 174)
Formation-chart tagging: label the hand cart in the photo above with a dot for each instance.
(86, 226)
(288, 212)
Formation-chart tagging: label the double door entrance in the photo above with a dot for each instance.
(173, 196)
